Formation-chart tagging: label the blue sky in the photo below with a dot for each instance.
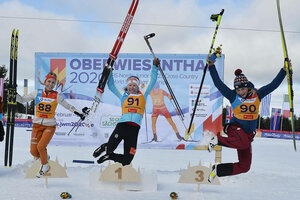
(258, 53)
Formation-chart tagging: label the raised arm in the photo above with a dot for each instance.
(225, 91)
(69, 107)
(265, 90)
(112, 86)
(26, 98)
(66, 105)
(150, 84)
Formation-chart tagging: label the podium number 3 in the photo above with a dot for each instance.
(200, 177)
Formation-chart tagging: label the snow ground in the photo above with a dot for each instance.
(275, 174)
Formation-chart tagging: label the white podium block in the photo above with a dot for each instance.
(197, 175)
(118, 177)
(56, 170)
(119, 173)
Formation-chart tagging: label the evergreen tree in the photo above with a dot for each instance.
(3, 73)
(30, 108)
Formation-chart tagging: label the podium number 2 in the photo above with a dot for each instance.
(200, 177)
(119, 171)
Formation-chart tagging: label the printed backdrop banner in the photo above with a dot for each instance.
(78, 76)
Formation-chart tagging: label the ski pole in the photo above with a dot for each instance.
(176, 110)
(147, 37)
(214, 17)
(77, 126)
(85, 112)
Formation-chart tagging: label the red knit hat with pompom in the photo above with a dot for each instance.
(240, 79)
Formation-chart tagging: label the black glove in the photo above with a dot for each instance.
(82, 117)
(1, 137)
(86, 110)
(156, 62)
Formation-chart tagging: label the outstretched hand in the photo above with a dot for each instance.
(289, 64)
(86, 110)
(156, 62)
(82, 116)
(210, 63)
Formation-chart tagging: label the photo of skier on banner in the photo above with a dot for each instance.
(159, 108)
(133, 101)
(245, 101)
(44, 122)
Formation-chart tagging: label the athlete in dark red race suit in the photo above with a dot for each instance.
(245, 100)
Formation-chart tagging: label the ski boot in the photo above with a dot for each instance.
(212, 174)
(104, 158)
(100, 150)
(44, 168)
(212, 143)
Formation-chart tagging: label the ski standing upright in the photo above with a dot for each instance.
(289, 74)
(108, 67)
(11, 99)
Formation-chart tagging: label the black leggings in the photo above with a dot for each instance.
(129, 134)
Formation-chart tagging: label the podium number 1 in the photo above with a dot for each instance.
(119, 171)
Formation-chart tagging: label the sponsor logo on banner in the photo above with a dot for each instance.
(109, 121)
(279, 134)
(194, 89)
(202, 109)
(58, 66)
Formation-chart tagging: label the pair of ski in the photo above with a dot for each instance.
(11, 99)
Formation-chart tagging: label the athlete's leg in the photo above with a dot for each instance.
(116, 137)
(47, 135)
(237, 138)
(36, 135)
